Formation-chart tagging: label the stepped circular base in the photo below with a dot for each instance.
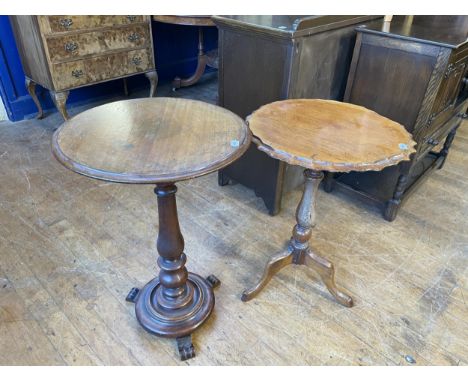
(177, 320)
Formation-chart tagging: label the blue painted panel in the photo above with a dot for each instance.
(176, 49)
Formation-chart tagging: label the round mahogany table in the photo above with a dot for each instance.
(322, 135)
(159, 141)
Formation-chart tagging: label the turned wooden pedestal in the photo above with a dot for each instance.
(158, 141)
(298, 250)
(322, 136)
(176, 302)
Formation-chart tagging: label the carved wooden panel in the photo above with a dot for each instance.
(448, 90)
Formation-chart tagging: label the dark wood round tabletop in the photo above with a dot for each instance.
(326, 135)
(161, 141)
(194, 20)
(151, 140)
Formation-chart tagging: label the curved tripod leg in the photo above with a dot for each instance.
(275, 264)
(326, 271)
(201, 64)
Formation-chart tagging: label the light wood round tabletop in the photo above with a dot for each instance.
(151, 140)
(326, 135)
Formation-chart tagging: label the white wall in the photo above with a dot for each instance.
(3, 113)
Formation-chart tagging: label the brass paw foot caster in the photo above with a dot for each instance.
(185, 346)
(132, 295)
(213, 281)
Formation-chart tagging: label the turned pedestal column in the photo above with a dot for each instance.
(151, 140)
(176, 302)
(298, 250)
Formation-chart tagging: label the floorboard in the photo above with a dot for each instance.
(72, 247)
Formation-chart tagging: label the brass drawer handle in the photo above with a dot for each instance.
(136, 60)
(450, 70)
(431, 118)
(133, 37)
(433, 142)
(131, 18)
(71, 46)
(77, 73)
(66, 23)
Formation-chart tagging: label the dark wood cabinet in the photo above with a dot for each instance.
(269, 58)
(413, 71)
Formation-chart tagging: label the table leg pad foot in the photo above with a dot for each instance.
(213, 281)
(185, 346)
(245, 297)
(132, 295)
(176, 84)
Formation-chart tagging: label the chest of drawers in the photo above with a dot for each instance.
(62, 53)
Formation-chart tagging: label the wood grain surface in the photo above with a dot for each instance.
(151, 140)
(326, 135)
(196, 20)
(97, 42)
(72, 247)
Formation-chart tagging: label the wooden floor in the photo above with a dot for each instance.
(72, 247)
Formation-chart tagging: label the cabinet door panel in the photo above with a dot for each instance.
(391, 82)
(448, 90)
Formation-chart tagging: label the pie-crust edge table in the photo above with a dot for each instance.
(320, 135)
(177, 302)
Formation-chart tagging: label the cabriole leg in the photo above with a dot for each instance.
(31, 87)
(153, 79)
(60, 100)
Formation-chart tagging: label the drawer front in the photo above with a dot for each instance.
(69, 75)
(57, 24)
(66, 47)
(437, 136)
(77, 73)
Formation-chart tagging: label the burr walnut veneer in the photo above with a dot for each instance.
(62, 53)
(322, 135)
(159, 141)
